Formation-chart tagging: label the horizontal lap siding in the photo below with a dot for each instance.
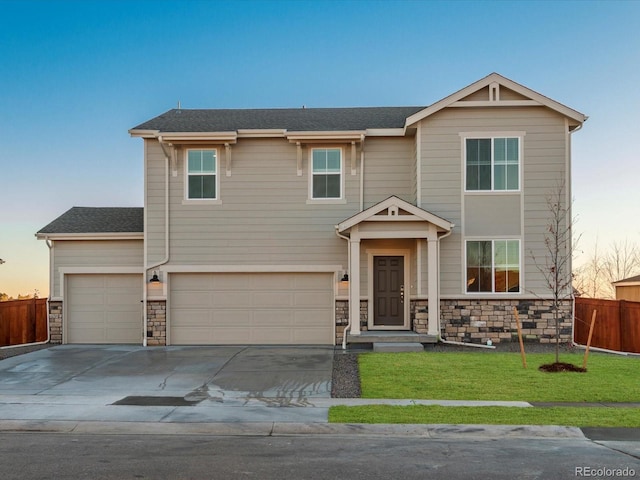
(264, 217)
(442, 179)
(389, 169)
(95, 253)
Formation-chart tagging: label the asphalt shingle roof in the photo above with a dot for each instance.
(98, 220)
(291, 119)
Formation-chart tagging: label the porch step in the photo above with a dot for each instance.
(398, 347)
(391, 336)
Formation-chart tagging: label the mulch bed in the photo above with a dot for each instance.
(561, 367)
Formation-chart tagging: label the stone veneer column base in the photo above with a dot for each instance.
(342, 318)
(156, 323)
(55, 323)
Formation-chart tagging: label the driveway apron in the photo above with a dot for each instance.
(167, 384)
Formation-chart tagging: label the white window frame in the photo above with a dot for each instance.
(201, 201)
(492, 136)
(311, 198)
(493, 265)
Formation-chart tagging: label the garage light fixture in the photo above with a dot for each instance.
(155, 278)
(345, 277)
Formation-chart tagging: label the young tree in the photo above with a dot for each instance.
(556, 265)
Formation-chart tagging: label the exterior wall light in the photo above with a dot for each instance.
(155, 278)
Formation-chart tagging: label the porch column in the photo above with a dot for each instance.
(354, 284)
(434, 282)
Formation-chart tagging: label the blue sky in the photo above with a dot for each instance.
(76, 75)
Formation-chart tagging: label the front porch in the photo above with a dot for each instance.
(393, 252)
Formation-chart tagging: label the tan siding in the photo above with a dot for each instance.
(480, 95)
(155, 204)
(507, 94)
(491, 215)
(95, 253)
(543, 165)
(264, 217)
(389, 169)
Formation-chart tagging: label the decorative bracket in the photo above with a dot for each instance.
(299, 158)
(227, 154)
(353, 158)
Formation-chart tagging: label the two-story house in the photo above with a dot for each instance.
(298, 226)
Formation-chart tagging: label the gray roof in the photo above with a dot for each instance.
(291, 119)
(97, 220)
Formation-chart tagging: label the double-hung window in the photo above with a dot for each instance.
(202, 175)
(492, 164)
(493, 266)
(326, 173)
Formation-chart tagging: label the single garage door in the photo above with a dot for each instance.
(104, 308)
(251, 308)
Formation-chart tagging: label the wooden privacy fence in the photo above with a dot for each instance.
(617, 324)
(23, 321)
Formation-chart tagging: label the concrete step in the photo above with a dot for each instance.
(398, 347)
(391, 336)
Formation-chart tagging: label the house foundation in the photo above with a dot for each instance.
(478, 320)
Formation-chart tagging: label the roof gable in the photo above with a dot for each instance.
(395, 209)
(496, 90)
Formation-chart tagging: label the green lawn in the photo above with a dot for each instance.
(498, 376)
(495, 376)
(579, 417)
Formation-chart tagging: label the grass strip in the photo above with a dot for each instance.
(435, 414)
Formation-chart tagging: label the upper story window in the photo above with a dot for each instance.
(326, 173)
(492, 164)
(202, 178)
(493, 266)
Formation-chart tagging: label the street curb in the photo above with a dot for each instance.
(265, 429)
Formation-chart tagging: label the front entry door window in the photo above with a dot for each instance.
(388, 291)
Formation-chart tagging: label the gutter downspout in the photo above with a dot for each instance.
(167, 156)
(348, 327)
(7, 347)
(362, 173)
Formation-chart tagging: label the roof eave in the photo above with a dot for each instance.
(91, 236)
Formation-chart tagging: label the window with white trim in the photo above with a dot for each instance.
(492, 164)
(326, 173)
(493, 266)
(202, 167)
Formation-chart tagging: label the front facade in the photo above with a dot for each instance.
(292, 226)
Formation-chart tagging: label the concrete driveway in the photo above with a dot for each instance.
(167, 384)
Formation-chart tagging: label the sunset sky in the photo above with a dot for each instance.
(76, 75)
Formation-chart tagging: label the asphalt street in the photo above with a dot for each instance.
(68, 456)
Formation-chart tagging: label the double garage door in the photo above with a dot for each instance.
(251, 308)
(104, 308)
